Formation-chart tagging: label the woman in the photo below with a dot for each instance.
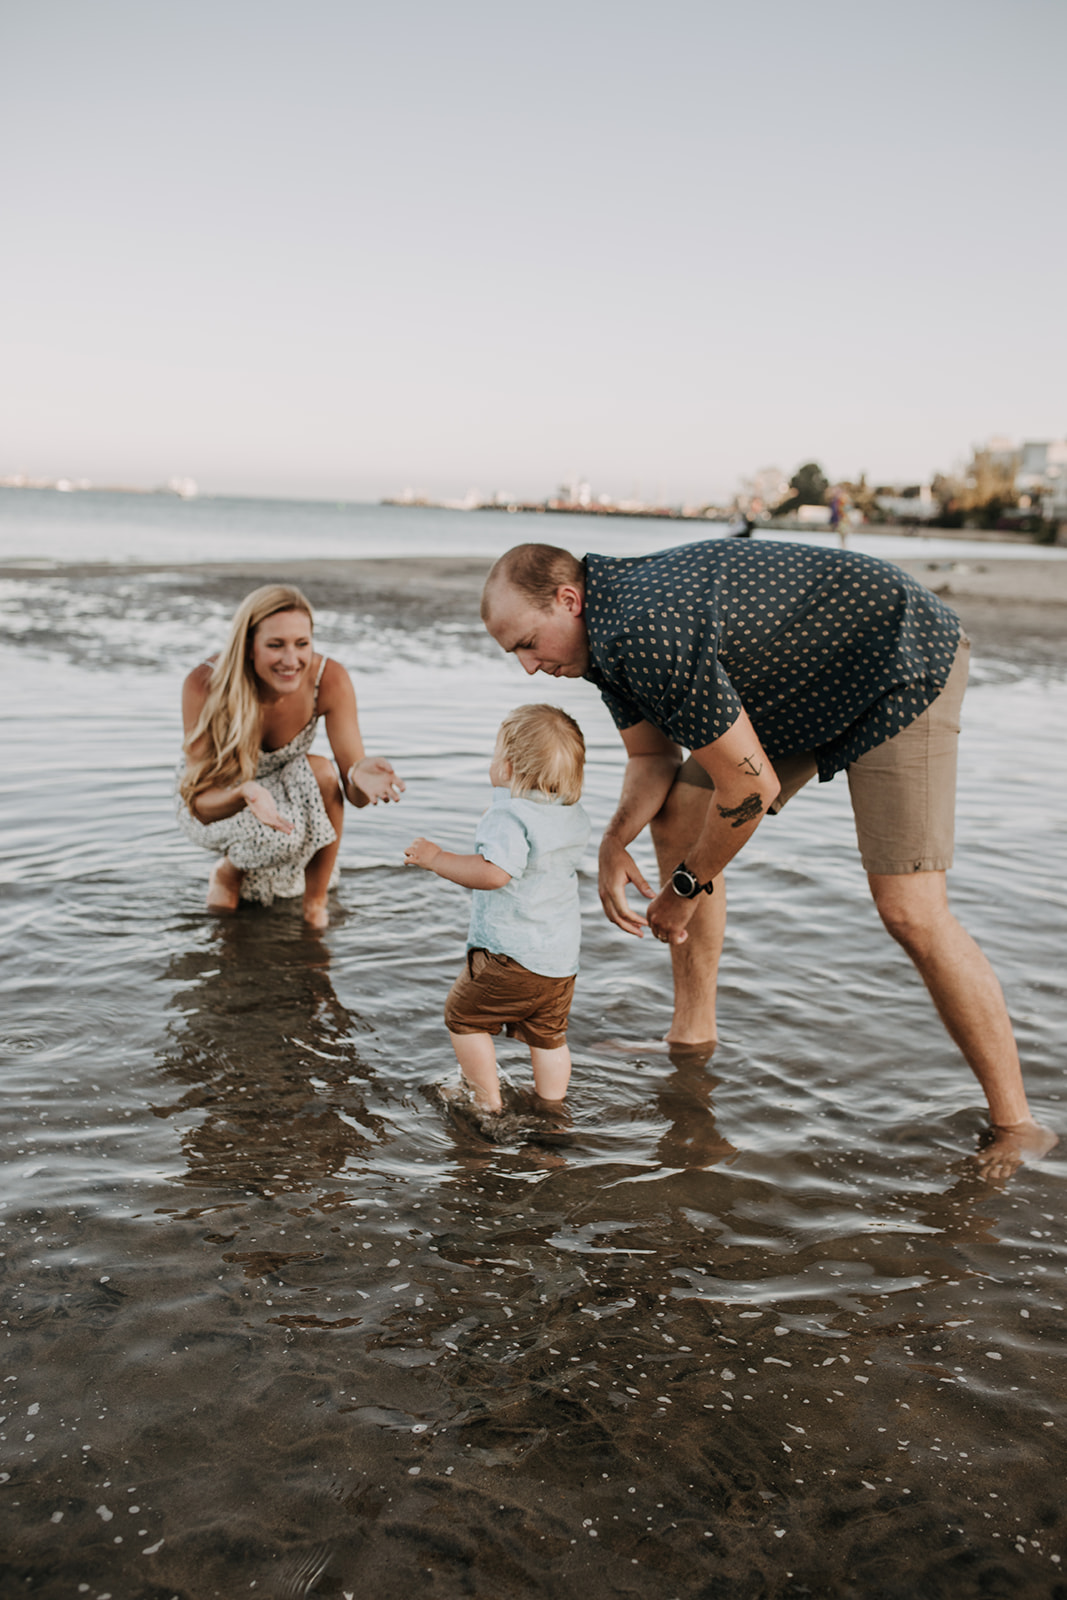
(250, 791)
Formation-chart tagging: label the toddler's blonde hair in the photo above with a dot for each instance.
(546, 751)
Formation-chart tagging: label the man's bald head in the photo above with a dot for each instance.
(533, 606)
(535, 572)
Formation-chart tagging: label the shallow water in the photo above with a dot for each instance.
(279, 1320)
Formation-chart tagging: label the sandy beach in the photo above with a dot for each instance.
(997, 598)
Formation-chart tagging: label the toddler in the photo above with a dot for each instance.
(522, 945)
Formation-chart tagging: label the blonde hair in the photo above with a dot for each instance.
(228, 730)
(546, 751)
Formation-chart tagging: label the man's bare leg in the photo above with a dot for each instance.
(319, 870)
(224, 886)
(970, 1002)
(695, 963)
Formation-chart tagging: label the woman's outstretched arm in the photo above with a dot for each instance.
(366, 779)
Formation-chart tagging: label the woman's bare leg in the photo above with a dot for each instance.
(319, 870)
(476, 1055)
(224, 886)
(551, 1071)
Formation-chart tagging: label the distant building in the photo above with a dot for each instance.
(1042, 475)
(912, 503)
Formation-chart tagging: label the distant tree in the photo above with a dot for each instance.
(979, 496)
(809, 484)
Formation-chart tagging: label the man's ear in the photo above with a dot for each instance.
(571, 599)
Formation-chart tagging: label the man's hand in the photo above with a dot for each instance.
(617, 870)
(422, 853)
(260, 802)
(668, 916)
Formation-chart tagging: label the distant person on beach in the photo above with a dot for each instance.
(772, 664)
(250, 791)
(525, 931)
(839, 516)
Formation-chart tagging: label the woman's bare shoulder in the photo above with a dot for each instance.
(197, 682)
(334, 683)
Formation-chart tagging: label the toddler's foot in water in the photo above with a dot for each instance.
(1008, 1147)
(316, 914)
(224, 887)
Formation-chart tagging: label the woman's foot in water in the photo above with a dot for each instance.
(316, 914)
(224, 887)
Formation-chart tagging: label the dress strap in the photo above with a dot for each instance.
(318, 678)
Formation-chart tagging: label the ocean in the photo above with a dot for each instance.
(277, 1319)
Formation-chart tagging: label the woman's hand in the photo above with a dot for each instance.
(260, 802)
(375, 778)
(422, 853)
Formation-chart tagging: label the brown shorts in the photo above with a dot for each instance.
(903, 791)
(494, 992)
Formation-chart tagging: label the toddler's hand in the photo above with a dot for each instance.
(421, 853)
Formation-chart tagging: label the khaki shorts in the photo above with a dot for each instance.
(495, 992)
(903, 791)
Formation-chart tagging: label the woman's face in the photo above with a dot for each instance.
(281, 650)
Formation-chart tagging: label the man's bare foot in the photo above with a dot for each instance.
(224, 887)
(315, 914)
(1004, 1148)
(674, 1050)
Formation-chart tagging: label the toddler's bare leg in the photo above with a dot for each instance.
(551, 1071)
(476, 1055)
(224, 886)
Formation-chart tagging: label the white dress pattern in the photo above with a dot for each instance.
(273, 863)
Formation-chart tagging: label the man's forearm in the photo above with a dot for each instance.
(646, 784)
(729, 826)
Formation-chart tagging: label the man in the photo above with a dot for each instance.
(773, 664)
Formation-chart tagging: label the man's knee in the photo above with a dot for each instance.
(681, 817)
(911, 906)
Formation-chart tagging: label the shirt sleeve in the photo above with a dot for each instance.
(501, 839)
(625, 713)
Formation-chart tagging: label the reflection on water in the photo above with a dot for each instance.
(279, 1318)
(267, 1058)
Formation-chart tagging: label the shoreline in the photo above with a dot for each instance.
(996, 579)
(1011, 608)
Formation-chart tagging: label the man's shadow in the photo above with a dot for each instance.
(273, 1088)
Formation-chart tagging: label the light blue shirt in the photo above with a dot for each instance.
(535, 918)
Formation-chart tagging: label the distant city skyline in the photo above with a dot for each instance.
(350, 250)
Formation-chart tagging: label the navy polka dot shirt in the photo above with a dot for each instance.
(828, 651)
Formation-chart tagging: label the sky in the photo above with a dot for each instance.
(339, 249)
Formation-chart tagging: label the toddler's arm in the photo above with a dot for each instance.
(470, 872)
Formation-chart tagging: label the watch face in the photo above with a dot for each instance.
(684, 883)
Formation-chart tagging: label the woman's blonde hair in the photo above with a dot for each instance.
(226, 738)
(546, 751)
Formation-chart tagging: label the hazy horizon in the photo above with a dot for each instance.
(345, 252)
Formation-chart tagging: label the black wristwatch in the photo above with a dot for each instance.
(688, 885)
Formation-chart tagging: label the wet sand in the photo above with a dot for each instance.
(998, 598)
